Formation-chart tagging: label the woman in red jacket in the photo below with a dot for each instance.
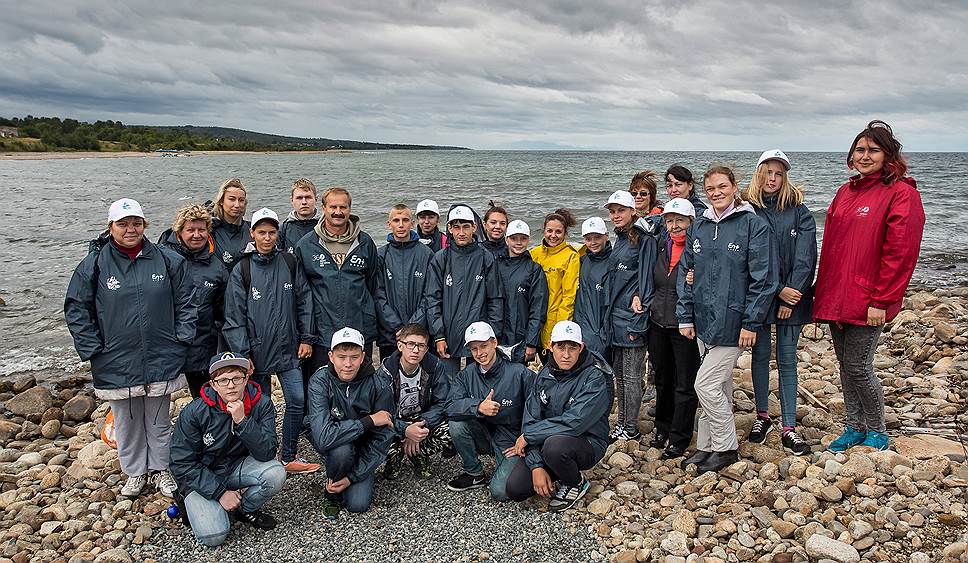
(871, 242)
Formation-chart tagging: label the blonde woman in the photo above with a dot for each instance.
(230, 230)
(780, 204)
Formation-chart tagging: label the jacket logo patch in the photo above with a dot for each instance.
(227, 258)
(863, 211)
(522, 289)
(507, 403)
(571, 400)
(544, 397)
(732, 247)
(696, 247)
(112, 283)
(157, 277)
(417, 274)
(287, 286)
(255, 294)
(793, 233)
(208, 439)
(449, 281)
(336, 413)
(207, 283)
(479, 277)
(622, 266)
(358, 261)
(389, 274)
(599, 287)
(321, 258)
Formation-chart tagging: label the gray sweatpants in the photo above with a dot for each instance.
(714, 387)
(863, 394)
(142, 427)
(627, 366)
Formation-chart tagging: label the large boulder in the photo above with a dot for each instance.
(31, 403)
(926, 446)
(822, 547)
(8, 430)
(79, 408)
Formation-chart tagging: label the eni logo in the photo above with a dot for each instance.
(863, 211)
(157, 277)
(732, 247)
(696, 247)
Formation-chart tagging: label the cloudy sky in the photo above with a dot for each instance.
(666, 75)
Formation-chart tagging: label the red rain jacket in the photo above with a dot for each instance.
(871, 241)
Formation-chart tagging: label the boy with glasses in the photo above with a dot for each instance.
(223, 452)
(420, 393)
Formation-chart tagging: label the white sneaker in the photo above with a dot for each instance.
(165, 482)
(132, 487)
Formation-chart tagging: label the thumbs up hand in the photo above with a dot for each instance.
(489, 407)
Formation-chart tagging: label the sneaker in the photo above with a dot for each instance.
(761, 427)
(876, 440)
(256, 519)
(393, 466)
(132, 487)
(847, 440)
(793, 443)
(466, 482)
(566, 497)
(421, 466)
(613, 436)
(633, 435)
(331, 507)
(165, 482)
(300, 465)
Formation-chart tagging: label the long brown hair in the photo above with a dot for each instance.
(726, 170)
(881, 134)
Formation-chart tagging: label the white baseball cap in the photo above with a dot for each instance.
(518, 227)
(461, 213)
(774, 154)
(566, 331)
(679, 206)
(594, 225)
(344, 335)
(265, 214)
(620, 197)
(478, 332)
(125, 207)
(428, 205)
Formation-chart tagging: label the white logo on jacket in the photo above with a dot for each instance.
(522, 289)
(208, 439)
(321, 258)
(507, 402)
(479, 277)
(793, 233)
(227, 258)
(157, 277)
(599, 287)
(732, 247)
(287, 286)
(358, 261)
(621, 266)
(696, 247)
(417, 274)
(389, 274)
(544, 397)
(336, 413)
(112, 283)
(863, 211)
(255, 294)
(207, 283)
(449, 281)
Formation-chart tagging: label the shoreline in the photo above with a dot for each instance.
(71, 155)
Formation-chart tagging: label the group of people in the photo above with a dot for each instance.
(459, 318)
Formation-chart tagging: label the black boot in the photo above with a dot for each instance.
(697, 457)
(673, 451)
(717, 461)
(659, 440)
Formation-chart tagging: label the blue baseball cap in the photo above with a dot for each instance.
(227, 359)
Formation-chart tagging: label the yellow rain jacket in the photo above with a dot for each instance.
(560, 264)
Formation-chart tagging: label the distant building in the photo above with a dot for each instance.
(6, 131)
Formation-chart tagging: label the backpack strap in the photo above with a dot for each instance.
(291, 262)
(245, 262)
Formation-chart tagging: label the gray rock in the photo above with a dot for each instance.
(79, 408)
(676, 543)
(822, 547)
(32, 402)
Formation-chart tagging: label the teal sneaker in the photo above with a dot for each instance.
(877, 440)
(331, 507)
(847, 440)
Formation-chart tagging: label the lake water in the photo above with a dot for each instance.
(50, 209)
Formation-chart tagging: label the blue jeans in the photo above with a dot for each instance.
(292, 420)
(472, 438)
(786, 363)
(339, 462)
(260, 479)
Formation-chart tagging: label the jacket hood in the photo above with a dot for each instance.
(585, 360)
(479, 235)
(414, 237)
(252, 394)
(292, 217)
(744, 207)
(352, 231)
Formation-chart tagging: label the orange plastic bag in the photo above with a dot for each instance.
(107, 433)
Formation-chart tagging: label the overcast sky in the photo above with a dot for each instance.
(579, 73)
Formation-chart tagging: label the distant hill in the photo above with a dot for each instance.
(34, 134)
(267, 139)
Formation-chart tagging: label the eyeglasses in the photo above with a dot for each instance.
(640, 194)
(229, 381)
(418, 346)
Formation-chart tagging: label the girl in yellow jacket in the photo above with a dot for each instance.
(560, 262)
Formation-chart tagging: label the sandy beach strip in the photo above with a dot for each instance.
(55, 155)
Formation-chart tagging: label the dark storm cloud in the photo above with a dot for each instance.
(605, 74)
